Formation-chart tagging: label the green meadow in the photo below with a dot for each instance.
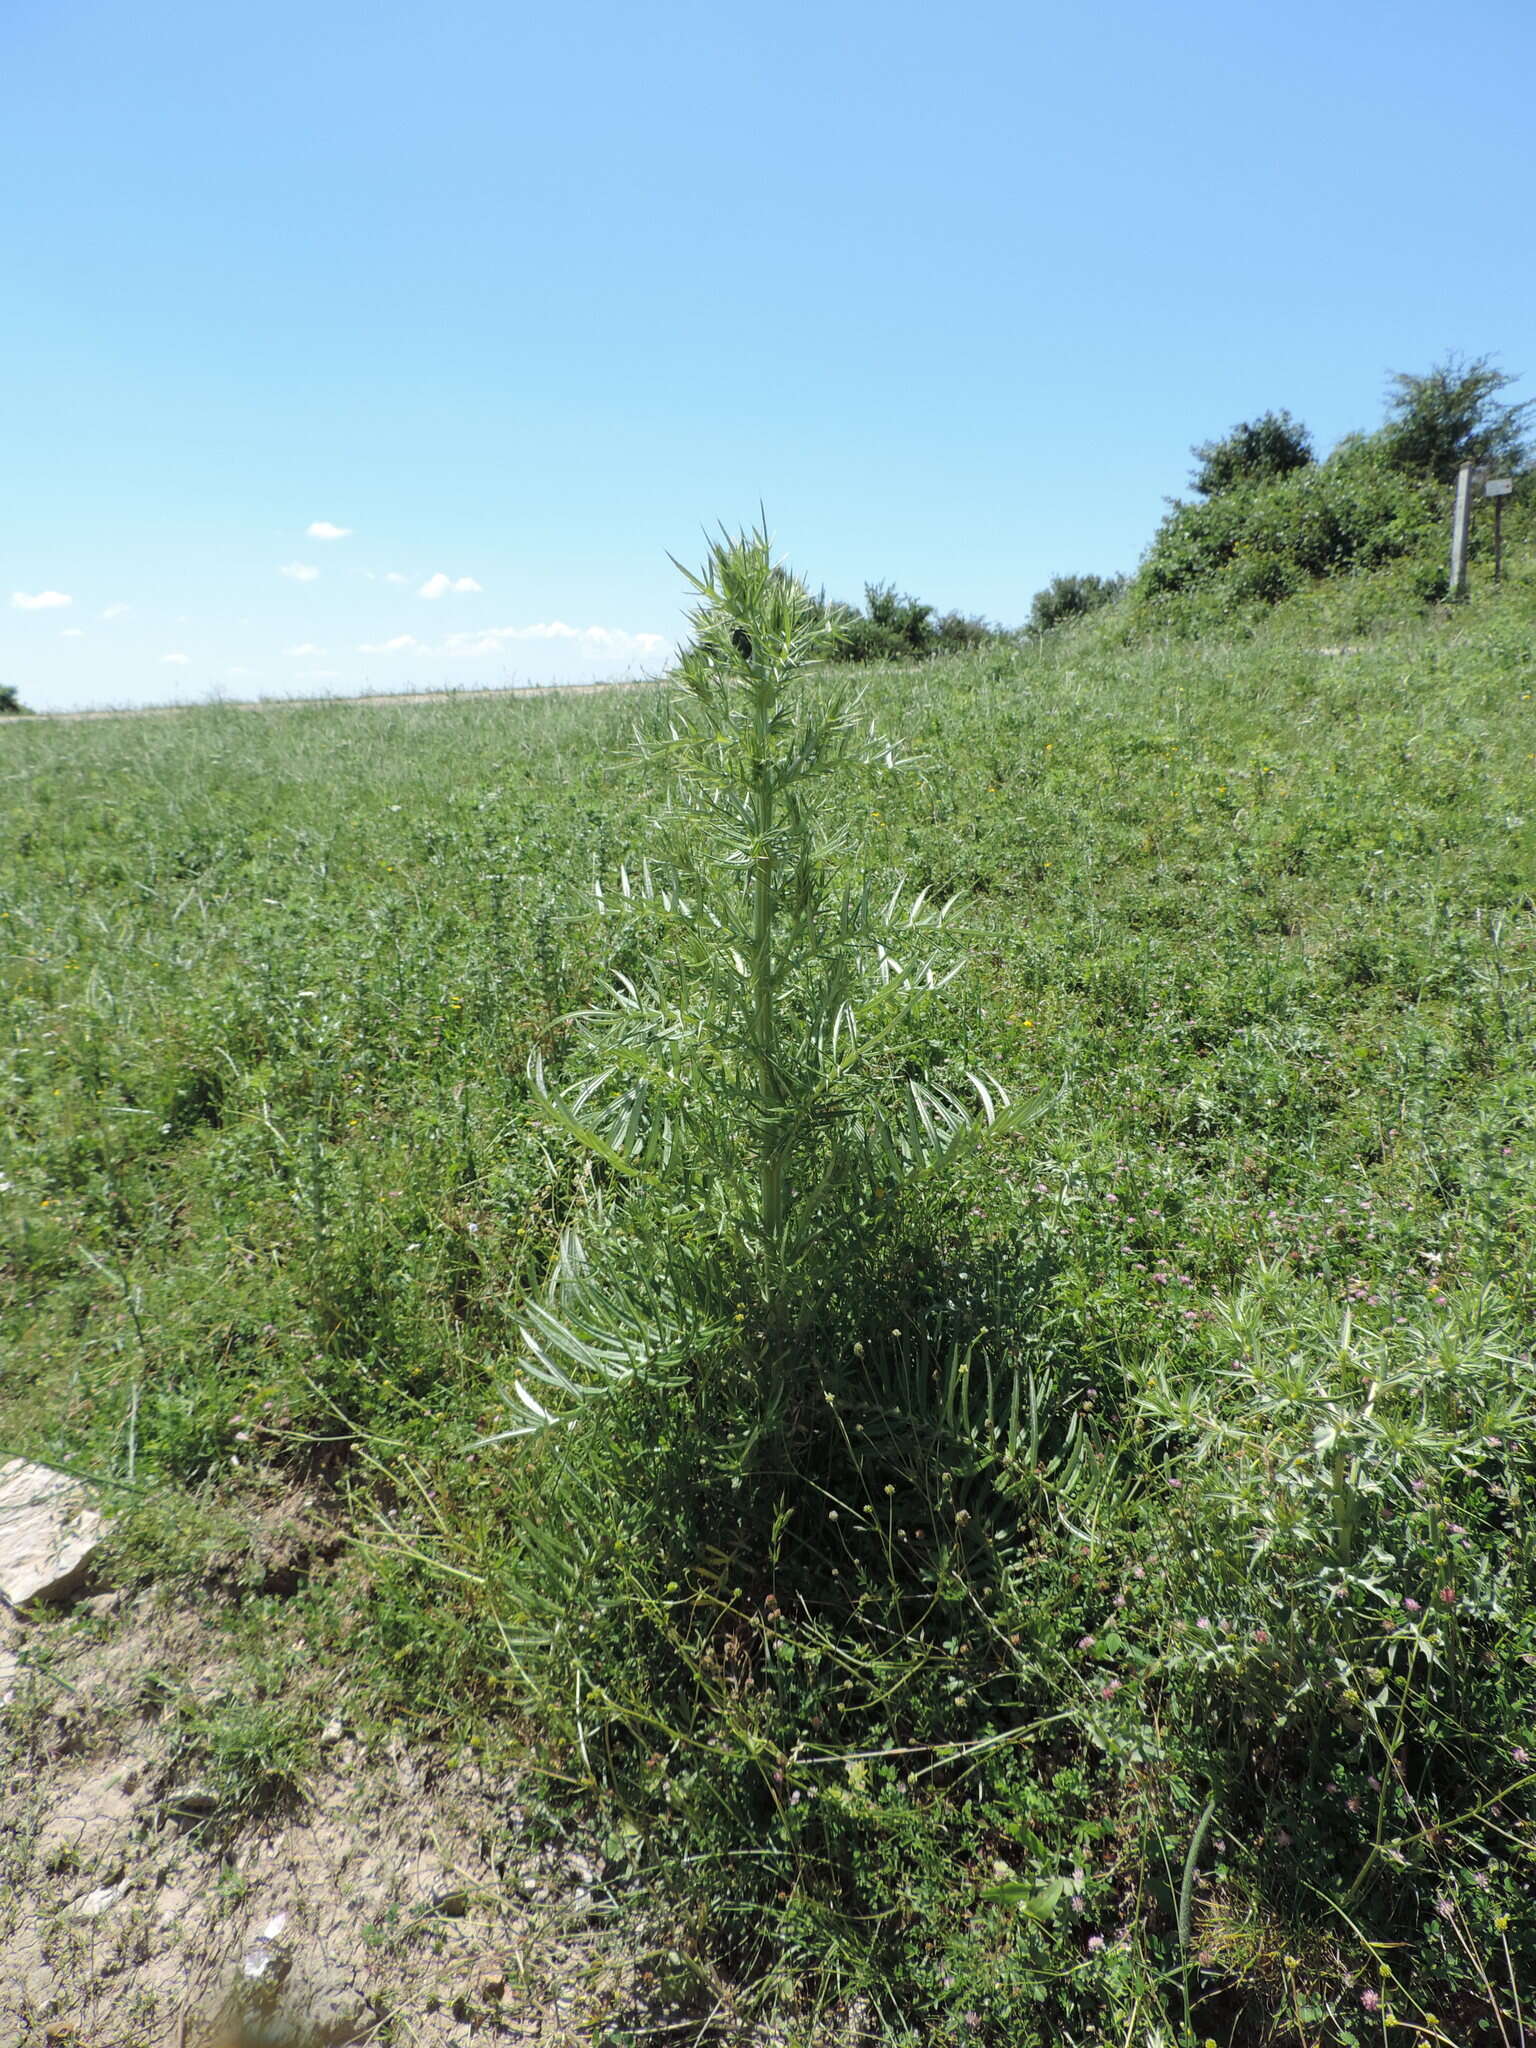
(1133, 1636)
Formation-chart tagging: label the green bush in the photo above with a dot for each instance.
(1254, 452)
(1072, 597)
(895, 627)
(1451, 415)
(1260, 542)
(11, 705)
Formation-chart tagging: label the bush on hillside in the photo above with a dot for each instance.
(895, 627)
(1072, 597)
(1454, 414)
(1255, 451)
(1260, 542)
(11, 705)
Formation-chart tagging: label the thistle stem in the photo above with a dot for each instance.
(765, 1022)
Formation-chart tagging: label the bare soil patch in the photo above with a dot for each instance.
(401, 1899)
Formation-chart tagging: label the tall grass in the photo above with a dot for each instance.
(1089, 1652)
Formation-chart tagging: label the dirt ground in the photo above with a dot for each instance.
(400, 1901)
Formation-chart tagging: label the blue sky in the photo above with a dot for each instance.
(526, 298)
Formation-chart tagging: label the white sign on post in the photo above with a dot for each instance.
(1499, 487)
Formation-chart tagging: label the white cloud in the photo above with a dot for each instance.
(304, 647)
(394, 576)
(301, 572)
(72, 633)
(436, 586)
(599, 643)
(609, 642)
(176, 660)
(39, 600)
(114, 611)
(322, 529)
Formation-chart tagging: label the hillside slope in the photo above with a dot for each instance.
(1265, 909)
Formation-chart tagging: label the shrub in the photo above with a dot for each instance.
(1259, 542)
(1254, 452)
(1451, 415)
(1072, 597)
(11, 705)
(895, 627)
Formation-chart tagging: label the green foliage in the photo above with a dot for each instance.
(1454, 413)
(255, 1753)
(1254, 452)
(893, 627)
(735, 1101)
(1257, 543)
(1072, 597)
(932, 1763)
(11, 705)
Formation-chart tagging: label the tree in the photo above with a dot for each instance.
(11, 705)
(1451, 415)
(1071, 597)
(1256, 451)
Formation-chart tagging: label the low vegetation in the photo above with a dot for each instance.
(997, 1581)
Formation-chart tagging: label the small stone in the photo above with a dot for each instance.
(492, 1984)
(100, 1901)
(189, 1802)
(49, 1533)
(101, 1605)
(267, 1960)
(453, 1903)
(332, 1733)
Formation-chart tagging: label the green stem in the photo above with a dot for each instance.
(764, 1019)
(1187, 1894)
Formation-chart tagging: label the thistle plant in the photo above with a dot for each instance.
(732, 1112)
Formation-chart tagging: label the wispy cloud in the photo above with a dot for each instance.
(322, 529)
(304, 647)
(394, 576)
(611, 642)
(438, 585)
(72, 633)
(39, 600)
(114, 611)
(301, 572)
(176, 660)
(601, 643)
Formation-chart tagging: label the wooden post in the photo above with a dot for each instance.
(1461, 526)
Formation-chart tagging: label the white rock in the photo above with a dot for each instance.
(94, 1904)
(49, 1532)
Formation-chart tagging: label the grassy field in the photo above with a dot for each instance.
(1215, 1712)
